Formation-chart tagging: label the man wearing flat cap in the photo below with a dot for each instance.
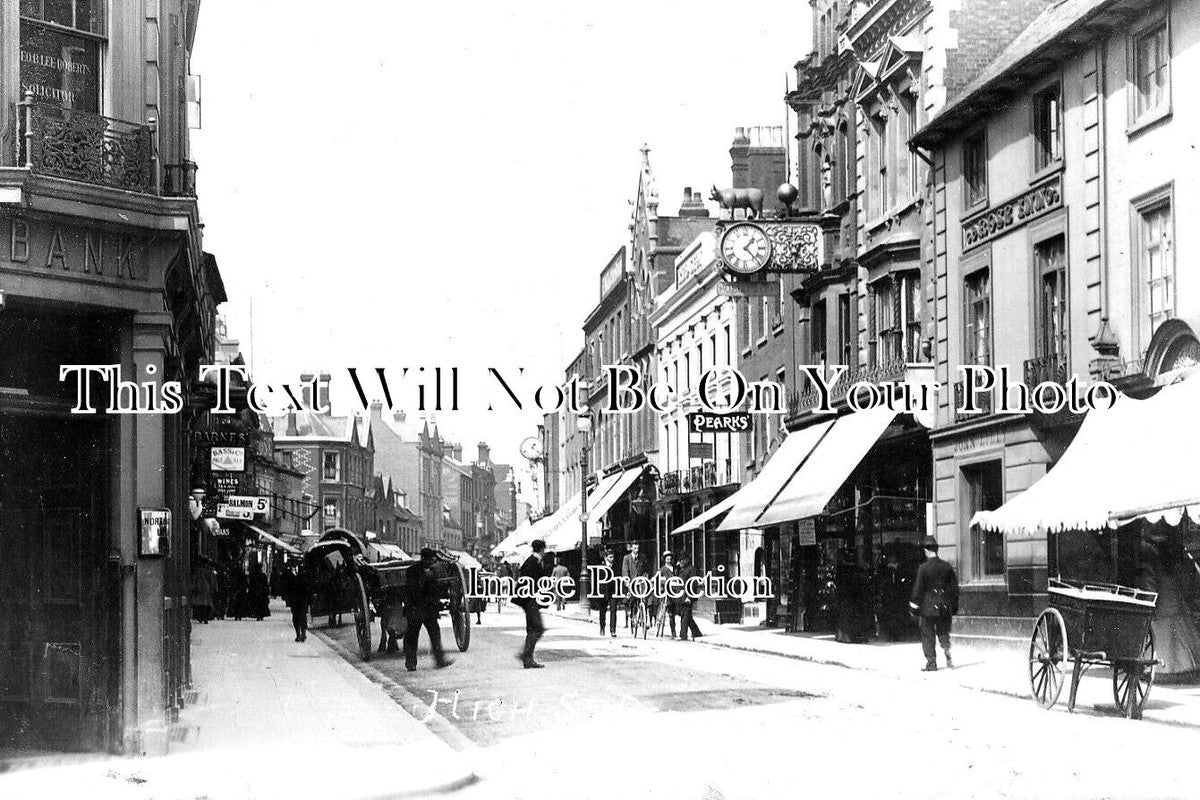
(935, 601)
(531, 572)
(421, 607)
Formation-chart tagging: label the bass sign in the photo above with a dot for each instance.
(701, 422)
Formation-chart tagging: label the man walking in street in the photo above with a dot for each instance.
(531, 572)
(632, 566)
(605, 601)
(558, 573)
(298, 594)
(422, 607)
(687, 624)
(935, 600)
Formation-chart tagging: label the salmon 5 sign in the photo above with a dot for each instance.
(703, 422)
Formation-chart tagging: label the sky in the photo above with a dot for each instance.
(425, 184)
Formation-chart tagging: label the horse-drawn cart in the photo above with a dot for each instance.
(345, 581)
(1094, 624)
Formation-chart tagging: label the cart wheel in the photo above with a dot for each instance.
(1132, 680)
(1047, 658)
(362, 617)
(460, 617)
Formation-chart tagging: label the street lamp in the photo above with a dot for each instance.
(584, 426)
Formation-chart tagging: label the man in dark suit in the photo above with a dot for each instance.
(683, 605)
(531, 572)
(422, 607)
(935, 600)
(632, 566)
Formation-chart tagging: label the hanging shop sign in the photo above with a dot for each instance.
(226, 511)
(735, 422)
(807, 532)
(256, 505)
(228, 459)
(154, 532)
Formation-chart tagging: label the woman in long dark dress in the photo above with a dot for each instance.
(258, 592)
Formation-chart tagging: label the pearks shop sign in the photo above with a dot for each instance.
(60, 68)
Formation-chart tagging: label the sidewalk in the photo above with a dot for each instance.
(270, 718)
(978, 669)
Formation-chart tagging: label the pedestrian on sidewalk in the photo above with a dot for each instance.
(935, 600)
(605, 601)
(632, 566)
(531, 572)
(665, 573)
(203, 586)
(258, 593)
(237, 591)
(686, 603)
(297, 591)
(422, 607)
(558, 573)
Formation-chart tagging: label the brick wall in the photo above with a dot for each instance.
(984, 29)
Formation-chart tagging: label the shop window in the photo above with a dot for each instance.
(1050, 259)
(1151, 65)
(331, 466)
(977, 315)
(983, 486)
(975, 169)
(1047, 127)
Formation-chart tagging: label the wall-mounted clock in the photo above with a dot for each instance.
(745, 248)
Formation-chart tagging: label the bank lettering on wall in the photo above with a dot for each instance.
(60, 68)
(45, 247)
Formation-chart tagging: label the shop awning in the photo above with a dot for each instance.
(700, 520)
(1132, 461)
(811, 472)
(466, 559)
(619, 484)
(272, 540)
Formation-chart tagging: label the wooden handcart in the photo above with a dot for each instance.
(345, 581)
(1094, 624)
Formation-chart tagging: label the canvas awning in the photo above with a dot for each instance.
(618, 484)
(798, 483)
(700, 520)
(466, 559)
(1131, 461)
(273, 540)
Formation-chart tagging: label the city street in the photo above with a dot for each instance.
(610, 718)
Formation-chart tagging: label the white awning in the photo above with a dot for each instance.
(812, 472)
(272, 540)
(752, 498)
(617, 487)
(1134, 460)
(466, 559)
(697, 522)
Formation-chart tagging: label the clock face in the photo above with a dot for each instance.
(745, 248)
(531, 449)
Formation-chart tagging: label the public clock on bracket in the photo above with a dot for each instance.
(531, 449)
(745, 248)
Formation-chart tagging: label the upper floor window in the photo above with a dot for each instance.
(977, 315)
(819, 321)
(331, 466)
(908, 102)
(881, 167)
(1047, 127)
(1156, 266)
(845, 330)
(975, 169)
(1050, 258)
(1151, 62)
(60, 52)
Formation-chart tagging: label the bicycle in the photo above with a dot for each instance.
(641, 619)
(661, 616)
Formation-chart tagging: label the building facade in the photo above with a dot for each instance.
(1057, 198)
(411, 455)
(102, 263)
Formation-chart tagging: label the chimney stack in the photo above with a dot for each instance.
(692, 206)
(399, 416)
(485, 454)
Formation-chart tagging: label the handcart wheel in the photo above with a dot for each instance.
(362, 617)
(1047, 658)
(460, 617)
(1132, 680)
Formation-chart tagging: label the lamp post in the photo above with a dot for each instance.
(584, 426)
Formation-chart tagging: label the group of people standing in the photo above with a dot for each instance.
(634, 565)
(227, 590)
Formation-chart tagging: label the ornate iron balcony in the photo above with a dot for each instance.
(705, 476)
(78, 146)
(886, 372)
(1051, 368)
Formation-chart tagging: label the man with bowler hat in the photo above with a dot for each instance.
(935, 600)
(422, 607)
(531, 572)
